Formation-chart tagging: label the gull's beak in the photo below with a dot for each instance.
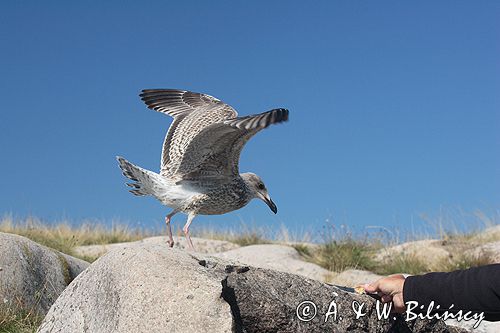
(271, 205)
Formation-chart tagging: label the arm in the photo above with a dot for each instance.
(474, 289)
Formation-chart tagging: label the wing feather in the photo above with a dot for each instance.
(215, 152)
(192, 112)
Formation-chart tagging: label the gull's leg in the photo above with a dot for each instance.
(170, 241)
(186, 230)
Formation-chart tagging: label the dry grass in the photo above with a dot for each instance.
(17, 319)
(464, 261)
(340, 249)
(410, 264)
(401, 263)
(459, 225)
(460, 230)
(245, 235)
(64, 237)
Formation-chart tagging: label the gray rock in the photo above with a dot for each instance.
(492, 250)
(279, 257)
(428, 251)
(267, 301)
(201, 245)
(153, 288)
(468, 326)
(354, 277)
(32, 276)
(490, 234)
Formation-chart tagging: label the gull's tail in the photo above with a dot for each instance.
(145, 182)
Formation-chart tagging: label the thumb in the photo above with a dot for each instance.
(371, 287)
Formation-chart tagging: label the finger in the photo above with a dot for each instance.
(386, 298)
(372, 287)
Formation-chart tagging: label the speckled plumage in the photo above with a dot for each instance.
(199, 171)
(221, 199)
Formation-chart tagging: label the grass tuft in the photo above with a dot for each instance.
(338, 256)
(401, 263)
(16, 319)
(303, 249)
(63, 237)
(465, 261)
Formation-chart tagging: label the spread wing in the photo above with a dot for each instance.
(213, 155)
(192, 113)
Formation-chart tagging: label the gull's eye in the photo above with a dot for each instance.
(261, 186)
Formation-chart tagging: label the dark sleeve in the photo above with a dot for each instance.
(476, 289)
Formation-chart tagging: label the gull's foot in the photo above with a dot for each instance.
(170, 243)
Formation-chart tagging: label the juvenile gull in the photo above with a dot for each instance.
(199, 163)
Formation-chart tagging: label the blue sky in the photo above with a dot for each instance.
(394, 105)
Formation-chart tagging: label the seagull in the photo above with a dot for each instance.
(199, 172)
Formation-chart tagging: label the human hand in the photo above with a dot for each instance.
(390, 289)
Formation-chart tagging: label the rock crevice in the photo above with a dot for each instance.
(229, 296)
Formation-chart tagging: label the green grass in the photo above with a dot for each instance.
(16, 319)
(338, 256)
(401, 263)
(410, 264)
(464, 261)
(303, 249)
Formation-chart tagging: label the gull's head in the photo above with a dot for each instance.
(258, 189)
